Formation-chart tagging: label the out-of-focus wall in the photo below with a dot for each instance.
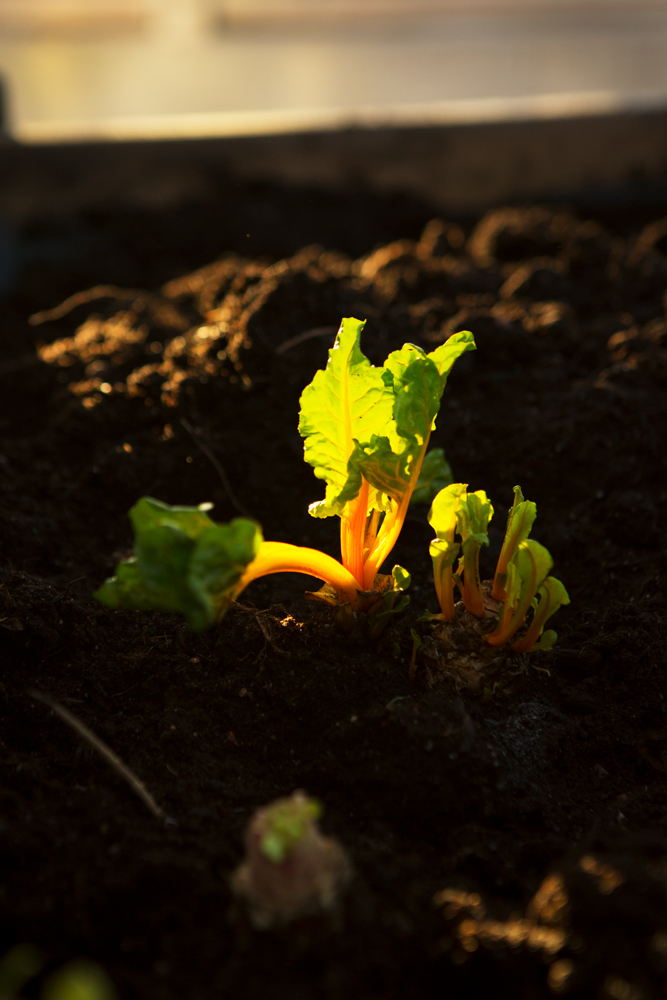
(82, 69)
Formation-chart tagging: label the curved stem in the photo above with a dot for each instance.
(391, 527)
(508, 626)
(280, 557)
(542, 613)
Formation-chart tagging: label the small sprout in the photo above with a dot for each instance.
(416, 643)
(519, 522)
(79, 980)
(521, 579)
(551, 595)
(526, 573)
(393, 601)
(290, 869)
(443, 549)
(472, 520)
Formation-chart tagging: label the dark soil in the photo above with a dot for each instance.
(555, 781)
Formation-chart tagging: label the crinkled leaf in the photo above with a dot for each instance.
(360, 420)
(434, 476)
(445, 355)
(417, 391)
(387, 472)
(350, 399)
(473, 515)
(183, 562)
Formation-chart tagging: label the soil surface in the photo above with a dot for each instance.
(506, 842)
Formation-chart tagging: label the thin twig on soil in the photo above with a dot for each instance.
(318, 331)
(104, 751)
(203, 447)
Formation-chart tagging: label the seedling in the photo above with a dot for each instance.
(290, 869)
(521, 579)
(366, 432)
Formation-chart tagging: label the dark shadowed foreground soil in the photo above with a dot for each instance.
(506, 842)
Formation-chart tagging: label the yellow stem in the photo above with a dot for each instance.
(391, 527)
(280, 557)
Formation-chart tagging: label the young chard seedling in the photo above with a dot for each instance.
(366, 432)
(521, 580)
(290, 869)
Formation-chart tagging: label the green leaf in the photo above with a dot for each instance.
(443, 553)
(435, 475)
(533, 562)
(358, 420)
(443, 513)
(350, 399)
(386, 471)
(546, 643)
(417, 391)
(445, 355)
(285, 823)
(401, 577)
(472, 517)
(387, 606)
(183, 562)
(148, 512)
(519, 524)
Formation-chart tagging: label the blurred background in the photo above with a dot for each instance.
(257, 123)
(120, 69)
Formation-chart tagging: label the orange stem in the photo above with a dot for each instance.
(352, 533)
(280, 557)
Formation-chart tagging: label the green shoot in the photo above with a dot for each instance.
(552, 595)
(519, 522)
(443, 549)
(286, 823)
(526, 573)
(472, 519)
(392, 602)
(290, 868)
(521, 579)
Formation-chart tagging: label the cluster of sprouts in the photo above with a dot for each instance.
(521, 582)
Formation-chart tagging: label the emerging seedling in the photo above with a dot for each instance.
(291, 869)
(366, 432)
(521, 579)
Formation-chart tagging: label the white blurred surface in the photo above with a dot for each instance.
(161, 68)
